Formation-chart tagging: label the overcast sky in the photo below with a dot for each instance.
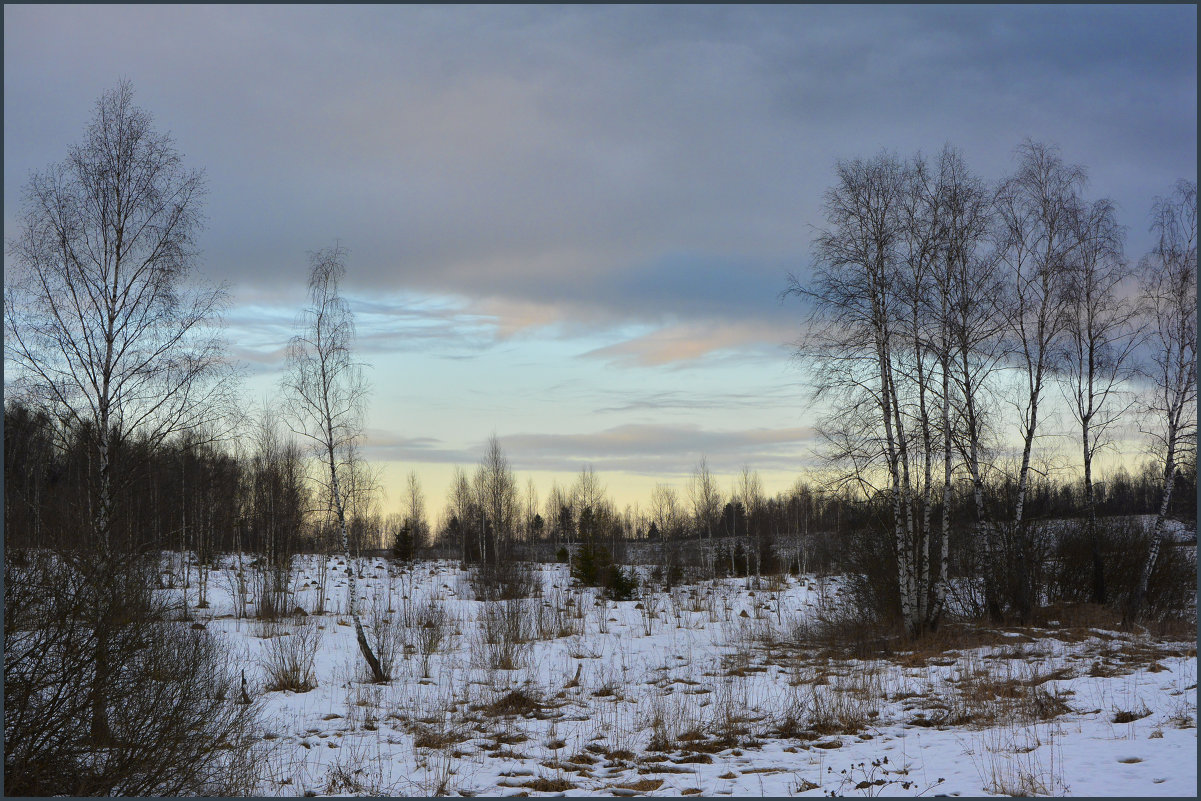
(570, 225)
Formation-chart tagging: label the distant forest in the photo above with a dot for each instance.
(189, 493)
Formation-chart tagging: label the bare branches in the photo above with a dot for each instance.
(1038, 242)
(326, 393)
(705, 498)
(1169, 280)
(101, 320)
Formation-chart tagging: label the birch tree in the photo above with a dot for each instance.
(1037, 243)
(749, 490)
(894, 339)
(414, 510)
(1099, 340)
(103, 323)
(1170, 292)
(458, 510)
(705, 498)
(326, 393)
(665, 510)
(498, 497)
(961, 311)
(971, 292)
(851, 339)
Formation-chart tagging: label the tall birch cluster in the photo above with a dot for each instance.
(945, 312)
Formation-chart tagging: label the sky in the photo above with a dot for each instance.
(570, 226)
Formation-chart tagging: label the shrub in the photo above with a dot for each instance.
(505, 581)
(288, 664)
(432, 632)
(554, 618)
(388, 635)
(622, 584)
(505, 628)
(593, 566)
(1124, 545)
(162, 718)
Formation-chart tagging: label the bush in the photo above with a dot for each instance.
(593, 566)
(505, 629)
(288, 663)
(505, 581)
(160, 716)
(622, 584)
(1124, 545)
(872, 593)
(433, 624)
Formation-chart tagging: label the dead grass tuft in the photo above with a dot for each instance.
(545, 785)
(516, 702)
(1130, 715)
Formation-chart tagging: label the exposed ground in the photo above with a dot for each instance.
(715, 689)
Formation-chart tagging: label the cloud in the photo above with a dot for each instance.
(637, 164)
(645, 449)
(626, 183)
(388, 446)
(775, 394)
(689, 341)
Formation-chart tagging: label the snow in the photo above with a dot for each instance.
(716, 698)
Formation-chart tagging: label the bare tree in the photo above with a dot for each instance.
(961, 308)
(458, 509)
(665, 510)
(101, 321)
(668, 519)
(855, 341)
(361, 491)
(1038, 243)
(326, 393)
(900, 338)
(497, 489)
(588, 492)
(558, 505)
(705, 498)
(414, 513)
(1100, 337)
(1170, 292)
(531, 510)
(972, 293)
(749, 491)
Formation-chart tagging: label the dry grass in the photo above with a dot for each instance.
(1007, 692)
(1130, 715)
(517, 703)
(642, 785)
(1021, 762)
(545, 785)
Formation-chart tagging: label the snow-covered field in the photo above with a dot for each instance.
(706, 690)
